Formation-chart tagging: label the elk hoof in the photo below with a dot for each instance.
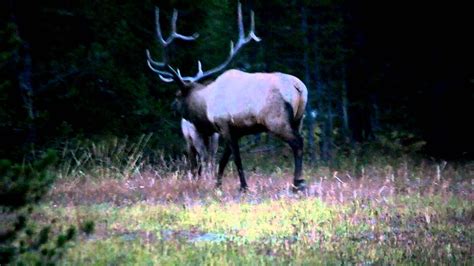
(299, 186)
(244, 189)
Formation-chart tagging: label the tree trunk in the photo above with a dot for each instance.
(328, 125)
(328, 132)
(374, 117)
(345, 109)
(26, 90)
(310, 113)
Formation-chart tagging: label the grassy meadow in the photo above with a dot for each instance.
(377, 211)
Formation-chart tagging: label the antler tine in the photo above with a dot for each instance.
(252, 28)
(177, 75)
(174, 19)
(167, 80)
(199, 68)
(251, 36)
(175, 34)
(158, 27)
(240, 22)
(165, 76)
(232, 51)
(153, 62)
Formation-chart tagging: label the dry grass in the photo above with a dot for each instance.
(374, 183)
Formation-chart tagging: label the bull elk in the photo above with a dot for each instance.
(237, 103)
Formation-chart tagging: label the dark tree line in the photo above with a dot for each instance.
(393, 72)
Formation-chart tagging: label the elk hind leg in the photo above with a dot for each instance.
(289, 133)
(296, 144)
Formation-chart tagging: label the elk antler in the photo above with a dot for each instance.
(155, 65)
(170, 74)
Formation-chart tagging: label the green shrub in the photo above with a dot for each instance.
(22, 186)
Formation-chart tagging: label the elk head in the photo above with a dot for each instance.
(237, 103)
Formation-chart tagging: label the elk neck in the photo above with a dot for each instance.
(194, 108)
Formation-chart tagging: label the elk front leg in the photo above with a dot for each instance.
(234, 144)
(222, 164)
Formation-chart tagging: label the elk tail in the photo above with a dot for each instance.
(301, 88)
(301, 106)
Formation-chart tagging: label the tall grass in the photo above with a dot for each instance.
(111, 158)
